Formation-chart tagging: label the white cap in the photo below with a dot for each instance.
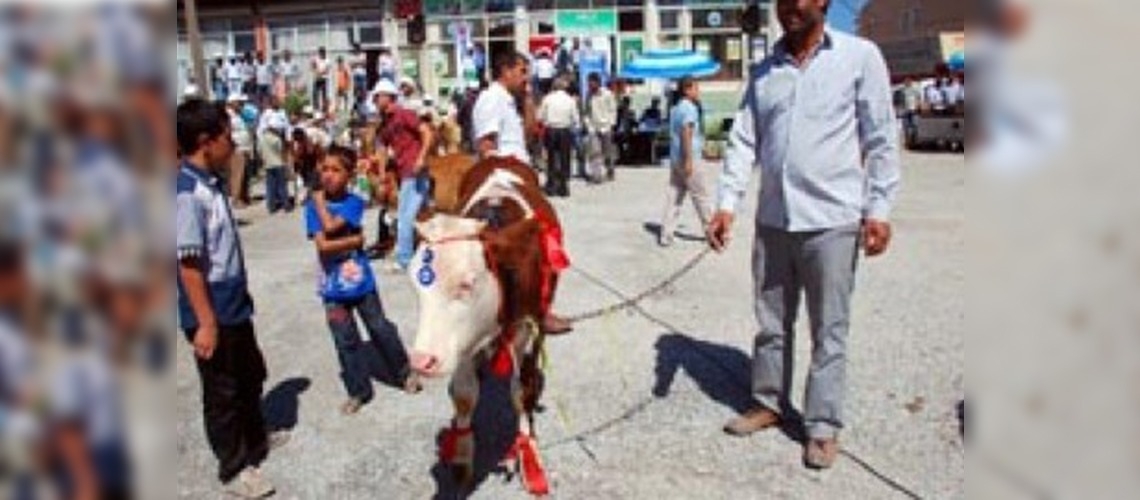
(236, 98)
(307, 110)
(385, 86)
(318, 116)
(407, 80)
(190, 91)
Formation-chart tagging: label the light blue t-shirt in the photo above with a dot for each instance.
(685, 113)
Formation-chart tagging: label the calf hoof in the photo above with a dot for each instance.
(463, 475)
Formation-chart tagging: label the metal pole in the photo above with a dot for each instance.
(194, 37)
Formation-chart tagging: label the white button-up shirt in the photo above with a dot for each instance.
(264, 73)
(495, 113)
(544, 68)
(559, 110)
(824, 137)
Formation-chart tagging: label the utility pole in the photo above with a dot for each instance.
(194, 37)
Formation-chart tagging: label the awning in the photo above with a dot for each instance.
(670, 64)
(957, 61)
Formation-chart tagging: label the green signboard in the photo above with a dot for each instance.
(631, 47)
(585, 22)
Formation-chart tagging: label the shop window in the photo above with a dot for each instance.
(670, 19)
(605, 4)
(536, 5)
(572, 4)
(727, 48)
(501, 27)
(633, 20)
(244, 42)
(371, 34)
(281, 39)
(214, 26)
(500, 5)
(716, 18)
(670, 41)
(443, 7)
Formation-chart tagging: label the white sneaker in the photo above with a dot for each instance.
(250, 484)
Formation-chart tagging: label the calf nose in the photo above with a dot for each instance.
(424, 364)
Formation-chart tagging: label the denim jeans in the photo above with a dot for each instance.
(352, 351)
(277, 189)
(221, 92)
(413, 192)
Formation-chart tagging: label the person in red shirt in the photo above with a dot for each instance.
(406, 140)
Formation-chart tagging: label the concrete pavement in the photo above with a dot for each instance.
(634, 400)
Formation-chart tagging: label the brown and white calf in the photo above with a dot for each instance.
(484, 279)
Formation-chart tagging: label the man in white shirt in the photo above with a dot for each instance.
(290, 72)
(321, 67)
(544, 70)
(386, 64)
(264, 75)
(935, 99)
(234, 75)
(601, 119)
(559, 114)
(498, 131)
(952, 93)
(357, 61)
(498, 128)
(248, 75)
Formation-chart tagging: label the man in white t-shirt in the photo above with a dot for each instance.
(289, 71)
(321, 67)
(498, 128)
(234, 75)
(386, 64)
(498, 131)
(544, 71)
(264, 74)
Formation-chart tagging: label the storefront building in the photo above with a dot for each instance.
(623, 28)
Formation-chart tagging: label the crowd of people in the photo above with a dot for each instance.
(944, 95)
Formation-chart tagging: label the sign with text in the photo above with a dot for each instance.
(585, 22)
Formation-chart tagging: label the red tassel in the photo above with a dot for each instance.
(449, 448)
(534, 477)
(552, 247)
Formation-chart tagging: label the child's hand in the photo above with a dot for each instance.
(319, 197)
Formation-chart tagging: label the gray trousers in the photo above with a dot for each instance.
(821, 264)
(681, 187)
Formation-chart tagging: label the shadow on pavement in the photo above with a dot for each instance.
(654, 230)
(280, 404)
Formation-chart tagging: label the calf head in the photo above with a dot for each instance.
(459, 295)
(470, 280)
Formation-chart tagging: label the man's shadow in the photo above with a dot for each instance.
(721, 372)
(494, 427)
(281, 403)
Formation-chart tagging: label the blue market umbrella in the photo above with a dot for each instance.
(957, 61)
(670, 64)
